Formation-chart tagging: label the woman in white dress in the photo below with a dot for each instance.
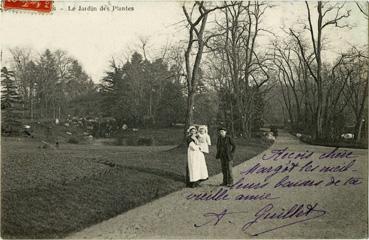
(196, 161)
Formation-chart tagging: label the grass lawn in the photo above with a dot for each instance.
(49, 193)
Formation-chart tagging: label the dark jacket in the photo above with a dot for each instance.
(189, 140)
(228, 148)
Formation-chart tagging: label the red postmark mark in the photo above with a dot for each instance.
(39, 6)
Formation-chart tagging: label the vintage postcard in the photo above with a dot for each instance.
(184, 119)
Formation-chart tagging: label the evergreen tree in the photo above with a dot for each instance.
(108, 89)
(49, 86)
(11, 104)
(171, 105)
(142, 93)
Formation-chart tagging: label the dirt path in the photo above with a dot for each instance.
(340, 211)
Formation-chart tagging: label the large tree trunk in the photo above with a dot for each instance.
(196, 33)
(359, 119)
(190, 108)
(232, 118)
(241, 119)
(319, 115)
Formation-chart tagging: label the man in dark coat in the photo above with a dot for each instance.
(225, 151)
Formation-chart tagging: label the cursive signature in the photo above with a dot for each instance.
(298, 212)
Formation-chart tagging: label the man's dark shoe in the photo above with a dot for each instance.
(189, 185)
(192, 185)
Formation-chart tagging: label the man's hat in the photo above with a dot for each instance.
(222, 128)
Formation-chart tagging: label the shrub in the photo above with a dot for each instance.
(331, 143)
(73, 140)
(131, 141)
(274, 130)
(121, 141)
(144, 141)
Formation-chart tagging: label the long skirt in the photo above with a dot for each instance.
(197, 165)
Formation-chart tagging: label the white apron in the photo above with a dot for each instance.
(196, 163)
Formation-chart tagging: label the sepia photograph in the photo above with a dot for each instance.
(184, 119)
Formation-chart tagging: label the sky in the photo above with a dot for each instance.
(95, 37)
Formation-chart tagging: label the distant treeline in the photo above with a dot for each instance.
(143, 93)
(221, 74)
(40, 87)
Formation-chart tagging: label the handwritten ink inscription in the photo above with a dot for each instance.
(298, 213)
(280, 169)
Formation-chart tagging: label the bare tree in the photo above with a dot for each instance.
(289, 69)
(356, 92)
(144, 41)
(363, 8)
(323, 12)
(197, 19)
(246, 68)
(21, 59)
